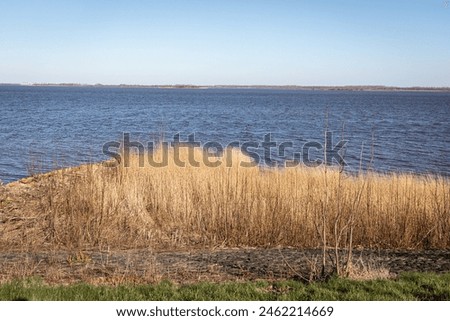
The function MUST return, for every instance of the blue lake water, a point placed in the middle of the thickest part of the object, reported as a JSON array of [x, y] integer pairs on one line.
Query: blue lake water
[[47, 127]]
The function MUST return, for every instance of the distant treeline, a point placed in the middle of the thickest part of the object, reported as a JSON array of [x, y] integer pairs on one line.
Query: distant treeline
[[285, 87]]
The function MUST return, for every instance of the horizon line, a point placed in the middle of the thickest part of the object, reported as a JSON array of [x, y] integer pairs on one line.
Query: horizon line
[[255, 86]]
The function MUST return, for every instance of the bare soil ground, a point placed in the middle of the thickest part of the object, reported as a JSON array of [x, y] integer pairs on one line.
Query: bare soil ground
[[143, 266]]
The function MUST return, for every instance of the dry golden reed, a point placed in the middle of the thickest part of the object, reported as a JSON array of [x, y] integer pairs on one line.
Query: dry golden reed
[[179, 207]]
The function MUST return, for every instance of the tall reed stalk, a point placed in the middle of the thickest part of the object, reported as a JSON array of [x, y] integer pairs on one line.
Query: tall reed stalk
[[179, 207]]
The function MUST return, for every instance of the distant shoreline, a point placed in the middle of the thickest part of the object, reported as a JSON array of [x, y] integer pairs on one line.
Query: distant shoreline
[[286, 87]]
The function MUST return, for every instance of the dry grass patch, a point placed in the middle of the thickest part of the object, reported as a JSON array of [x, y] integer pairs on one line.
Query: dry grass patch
[[96, 206]]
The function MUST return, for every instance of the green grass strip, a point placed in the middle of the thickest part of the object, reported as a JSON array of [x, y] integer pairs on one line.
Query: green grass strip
[[408, 286]]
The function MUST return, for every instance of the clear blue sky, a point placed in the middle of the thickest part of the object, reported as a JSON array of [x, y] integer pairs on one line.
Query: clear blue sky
[[316, 42]]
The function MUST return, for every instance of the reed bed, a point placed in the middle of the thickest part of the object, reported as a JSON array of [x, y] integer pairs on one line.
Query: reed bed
[[142, 206]]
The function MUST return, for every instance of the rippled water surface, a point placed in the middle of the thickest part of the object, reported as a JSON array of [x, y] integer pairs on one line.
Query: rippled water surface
[[46, 127]]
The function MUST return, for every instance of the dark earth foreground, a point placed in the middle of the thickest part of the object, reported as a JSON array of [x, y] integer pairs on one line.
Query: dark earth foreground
[[143, 266]]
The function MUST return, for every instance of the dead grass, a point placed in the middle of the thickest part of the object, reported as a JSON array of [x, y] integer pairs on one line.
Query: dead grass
[[363, 270], [103, 207]]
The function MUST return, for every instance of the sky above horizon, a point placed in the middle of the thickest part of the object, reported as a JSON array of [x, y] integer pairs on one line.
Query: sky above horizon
[[284, 42]]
